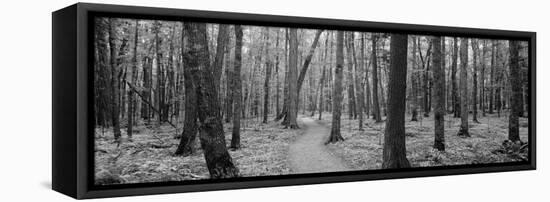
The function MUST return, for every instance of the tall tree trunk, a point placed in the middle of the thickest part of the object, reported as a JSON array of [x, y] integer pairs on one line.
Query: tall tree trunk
[[323, 78], [350, 78], [358, 86], [237, 89], [335, 134], [268, 67], [463, 132], [131, 102], [482, 78], [456, 100], [515, 99], [439, 96], [277, 80], [366, 69], [222, 40], [375, 99], [414, 89], [293, 82], [190, 127], [394, 152], [218, 160], [475, 48], [115, 107], [492, 80]]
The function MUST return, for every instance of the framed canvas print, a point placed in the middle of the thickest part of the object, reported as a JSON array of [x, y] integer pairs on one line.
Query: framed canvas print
[[155, 100]]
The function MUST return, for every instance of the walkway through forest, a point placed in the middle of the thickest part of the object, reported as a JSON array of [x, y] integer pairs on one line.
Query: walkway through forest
[[308, 153]]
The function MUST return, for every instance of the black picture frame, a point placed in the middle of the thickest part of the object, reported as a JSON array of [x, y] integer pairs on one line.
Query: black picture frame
[[72, 82]]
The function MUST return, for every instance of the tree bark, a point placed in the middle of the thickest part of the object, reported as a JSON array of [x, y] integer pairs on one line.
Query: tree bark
[[375, 99], [463, 132], [439, 96], [237, 89], [475, 48], [335, 134], [131, 102], [456, 101], [115, 107], [196, 57], [515, 102], [394, 152], [292, 81], [268, 67], [350, 78]]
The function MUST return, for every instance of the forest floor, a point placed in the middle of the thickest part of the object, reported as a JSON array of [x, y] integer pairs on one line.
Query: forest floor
[[269, 149], [149, 156], [362, 150], [308, 153]]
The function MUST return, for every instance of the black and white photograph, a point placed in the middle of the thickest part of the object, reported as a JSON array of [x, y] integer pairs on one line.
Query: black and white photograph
[[188, 101]]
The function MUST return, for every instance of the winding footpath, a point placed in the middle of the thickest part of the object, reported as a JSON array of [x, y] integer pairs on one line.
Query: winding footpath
[[308, 153]]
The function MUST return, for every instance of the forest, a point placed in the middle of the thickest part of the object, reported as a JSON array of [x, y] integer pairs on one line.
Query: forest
[[177, 101]]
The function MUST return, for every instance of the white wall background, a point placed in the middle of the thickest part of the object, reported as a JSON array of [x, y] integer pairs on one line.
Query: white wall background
[[25, 103]]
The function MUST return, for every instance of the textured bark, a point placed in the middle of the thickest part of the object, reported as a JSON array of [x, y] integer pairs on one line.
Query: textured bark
[[475, 48], [366, 69], [414, 81], [375, 99], [350, 78], [439, 95], [196, 57], [277, 79], [492, 79], [394, 152], [222, 40], [323, 78], [463, 132], [360, 104], [335, 134], [131, 102], [454, 86], [515, 99], [268, 69], [190, 127], [115, 107], [292, 79], [237, 89], [482, 79]]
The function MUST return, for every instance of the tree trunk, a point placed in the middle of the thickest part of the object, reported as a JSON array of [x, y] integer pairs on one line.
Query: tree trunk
[[515, 99], [394, 153], [358, 86], [131, 102], [482, 79], [268, 67], [492, 80], [366, 69], [190, 127], [115, 107], [292, 81], [218, 160], [463, 132], [475, 48], [237, 88], [350, 78], [335, 134], [323, 78], [376, 106], [456, 100], [439, 95]]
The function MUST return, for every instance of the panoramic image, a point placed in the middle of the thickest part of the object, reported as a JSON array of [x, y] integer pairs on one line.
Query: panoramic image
[[181, 101]]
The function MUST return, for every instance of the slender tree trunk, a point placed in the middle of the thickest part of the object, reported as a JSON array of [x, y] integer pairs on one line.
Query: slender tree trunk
[[482, 79], [492, 80], [218, 160], [237, 88], [350, 78], [439, 96], [114, 80], [366, 69], [293, 82], [394, 152], [456, 100], [358, 86], [268, 67], [515, 102], [335, 134], [414, 114], [131, 102], [463, 132], [222, 40], [376, 106], [277, 85], [323, 78], [475, 48]]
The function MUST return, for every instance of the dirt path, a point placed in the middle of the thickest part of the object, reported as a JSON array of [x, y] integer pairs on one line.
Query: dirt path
[[308, 153]]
